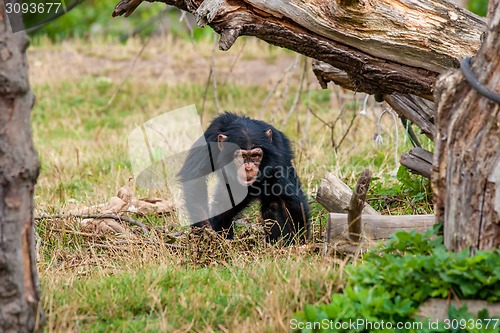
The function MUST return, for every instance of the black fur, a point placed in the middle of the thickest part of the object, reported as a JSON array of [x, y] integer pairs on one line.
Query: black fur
[[277, 186]]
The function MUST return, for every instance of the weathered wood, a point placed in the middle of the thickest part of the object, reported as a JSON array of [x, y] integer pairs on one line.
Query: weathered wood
[[401, 47], [416, 109], [467, 151], [419, 161], [389, 25], [326, 73], [19, 286], [377, 227], [335, 195], [437, 309], [357, 204]]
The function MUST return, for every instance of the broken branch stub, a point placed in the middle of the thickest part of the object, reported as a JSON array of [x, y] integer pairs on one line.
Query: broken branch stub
[[357, 204], [419, 161]]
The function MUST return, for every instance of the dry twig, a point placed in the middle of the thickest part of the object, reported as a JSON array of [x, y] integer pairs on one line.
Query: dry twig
[[95, 216], [298, 94], [290, 69]]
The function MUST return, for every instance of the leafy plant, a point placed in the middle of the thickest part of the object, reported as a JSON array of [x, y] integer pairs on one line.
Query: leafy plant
[[91, 18], [479, 7], [411, 189], [392, 281]]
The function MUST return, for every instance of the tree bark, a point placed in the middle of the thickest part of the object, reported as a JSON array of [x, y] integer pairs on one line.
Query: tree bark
[[19, 287], [466, 168]]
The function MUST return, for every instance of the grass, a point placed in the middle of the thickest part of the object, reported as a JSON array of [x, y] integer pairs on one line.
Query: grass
[[87, 104], [152, 288]]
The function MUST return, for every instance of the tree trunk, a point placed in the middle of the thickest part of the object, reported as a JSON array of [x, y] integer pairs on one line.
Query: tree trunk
[[19, 287], [466, 179]]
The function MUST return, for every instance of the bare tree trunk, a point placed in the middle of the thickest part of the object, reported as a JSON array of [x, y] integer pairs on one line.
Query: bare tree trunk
[[466, 179], [19, 287]]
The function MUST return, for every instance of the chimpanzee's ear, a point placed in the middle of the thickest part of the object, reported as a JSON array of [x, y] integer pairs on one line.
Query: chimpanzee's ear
[[269, 134], [220, 139]]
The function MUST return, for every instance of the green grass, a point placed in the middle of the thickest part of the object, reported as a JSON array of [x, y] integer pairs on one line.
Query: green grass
[[168, 296], [111, 284]]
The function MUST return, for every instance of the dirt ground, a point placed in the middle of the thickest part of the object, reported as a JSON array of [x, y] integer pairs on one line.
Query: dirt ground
[[163, 61]]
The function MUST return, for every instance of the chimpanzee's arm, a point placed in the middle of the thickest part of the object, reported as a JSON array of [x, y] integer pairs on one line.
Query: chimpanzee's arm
[[193, 175]]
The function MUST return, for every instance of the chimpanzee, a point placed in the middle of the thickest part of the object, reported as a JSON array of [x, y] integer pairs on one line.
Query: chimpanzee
[[253, 160]]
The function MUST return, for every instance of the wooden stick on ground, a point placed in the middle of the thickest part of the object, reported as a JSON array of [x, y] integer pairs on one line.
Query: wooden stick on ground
[[96, 216]]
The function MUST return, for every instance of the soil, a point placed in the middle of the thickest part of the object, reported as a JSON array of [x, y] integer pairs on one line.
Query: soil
[[160, 64]]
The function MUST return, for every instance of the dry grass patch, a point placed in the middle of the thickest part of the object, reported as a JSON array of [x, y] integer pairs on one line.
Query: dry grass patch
[[113, 284]]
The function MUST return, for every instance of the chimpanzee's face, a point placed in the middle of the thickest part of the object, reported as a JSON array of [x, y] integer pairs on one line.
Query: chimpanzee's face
[[248, 162]]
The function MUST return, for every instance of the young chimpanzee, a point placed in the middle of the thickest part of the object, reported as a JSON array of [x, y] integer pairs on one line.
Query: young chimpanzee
[[253, 160]]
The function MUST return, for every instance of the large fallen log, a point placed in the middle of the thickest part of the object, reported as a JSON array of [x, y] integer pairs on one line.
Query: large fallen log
[[373, 228]]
